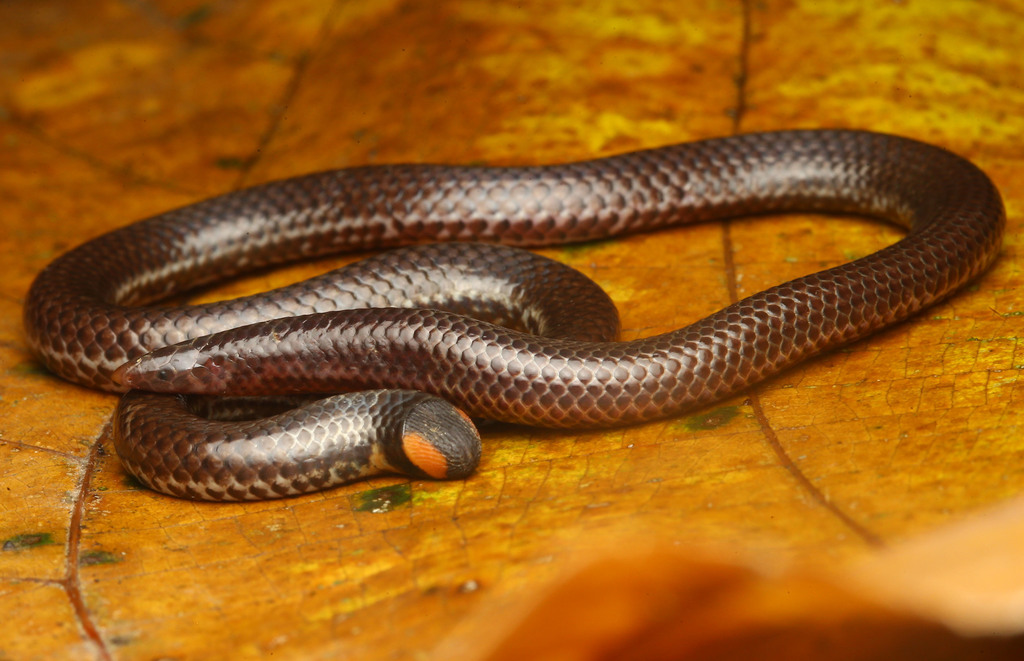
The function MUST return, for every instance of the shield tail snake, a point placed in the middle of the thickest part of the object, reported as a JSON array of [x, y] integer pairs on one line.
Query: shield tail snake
[[496, 331]]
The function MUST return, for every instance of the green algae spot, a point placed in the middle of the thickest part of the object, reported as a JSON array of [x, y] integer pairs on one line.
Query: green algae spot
[[384, 499], [231, 163], [711, 420], [86, 558], [28, 541], [196, 16]]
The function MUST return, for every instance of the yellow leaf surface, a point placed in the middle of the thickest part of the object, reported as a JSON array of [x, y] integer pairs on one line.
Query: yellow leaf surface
[[113, 111]]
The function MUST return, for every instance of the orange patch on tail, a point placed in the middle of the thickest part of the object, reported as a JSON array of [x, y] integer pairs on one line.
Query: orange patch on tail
[[465, 416], [425, 456]]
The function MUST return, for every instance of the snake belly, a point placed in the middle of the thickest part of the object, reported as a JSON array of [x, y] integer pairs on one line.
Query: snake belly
[[81, 319]]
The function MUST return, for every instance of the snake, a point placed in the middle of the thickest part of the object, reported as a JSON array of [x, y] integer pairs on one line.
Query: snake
[[488, 350]]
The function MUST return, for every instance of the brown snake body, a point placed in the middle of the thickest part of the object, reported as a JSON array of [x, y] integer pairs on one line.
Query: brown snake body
[[80, 320]]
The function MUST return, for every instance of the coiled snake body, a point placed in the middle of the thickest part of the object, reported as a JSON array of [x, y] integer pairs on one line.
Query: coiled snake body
[[81, 320]]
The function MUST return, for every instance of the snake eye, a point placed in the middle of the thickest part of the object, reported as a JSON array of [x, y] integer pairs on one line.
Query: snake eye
[[165, 374]]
